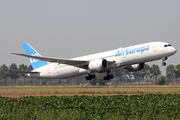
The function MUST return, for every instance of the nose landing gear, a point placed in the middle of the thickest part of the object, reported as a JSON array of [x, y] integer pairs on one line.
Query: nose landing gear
[[164, 63]]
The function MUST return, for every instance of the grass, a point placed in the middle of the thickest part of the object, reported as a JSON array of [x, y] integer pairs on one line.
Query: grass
[[123, 90]]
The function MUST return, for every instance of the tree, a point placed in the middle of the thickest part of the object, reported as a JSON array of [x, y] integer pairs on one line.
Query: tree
[[3, 69], [155, 71], [23, 68], [160, 80], [101, 81], [170, 72], [29, 68], [146, 72], [177, 71], [137, 76], [121, 75], [13, 68], [93, 82]]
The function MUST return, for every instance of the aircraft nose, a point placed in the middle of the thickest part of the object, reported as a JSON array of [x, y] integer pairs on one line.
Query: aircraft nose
[[174, 50]]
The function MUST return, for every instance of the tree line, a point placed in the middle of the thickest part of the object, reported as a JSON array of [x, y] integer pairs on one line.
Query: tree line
[[149, 75]]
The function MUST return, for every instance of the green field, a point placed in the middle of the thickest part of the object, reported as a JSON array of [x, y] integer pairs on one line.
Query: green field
[[114, 103], [119, 107]]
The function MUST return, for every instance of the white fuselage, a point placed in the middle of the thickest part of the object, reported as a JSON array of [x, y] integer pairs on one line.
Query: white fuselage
[[116, 58]]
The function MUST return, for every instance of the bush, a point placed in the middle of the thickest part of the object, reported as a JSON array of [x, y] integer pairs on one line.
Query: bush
[[160, 80]]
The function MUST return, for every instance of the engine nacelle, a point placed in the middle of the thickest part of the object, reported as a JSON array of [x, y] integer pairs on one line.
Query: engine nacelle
[[135, 67], [98, 64]]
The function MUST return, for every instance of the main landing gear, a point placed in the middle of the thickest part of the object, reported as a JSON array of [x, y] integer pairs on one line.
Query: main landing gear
[[89, 77], [163, 63], [108, 77]]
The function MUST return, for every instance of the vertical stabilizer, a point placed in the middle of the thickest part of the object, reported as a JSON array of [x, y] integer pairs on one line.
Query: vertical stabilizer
[[31, 51]]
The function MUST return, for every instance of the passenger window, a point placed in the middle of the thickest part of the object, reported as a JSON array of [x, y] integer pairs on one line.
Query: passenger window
[[165, 45]]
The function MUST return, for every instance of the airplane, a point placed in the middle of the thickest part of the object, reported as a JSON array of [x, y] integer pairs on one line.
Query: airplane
[[131, 58]]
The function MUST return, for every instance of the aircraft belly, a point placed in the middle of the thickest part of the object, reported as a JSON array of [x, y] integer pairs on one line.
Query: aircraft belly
[[69, 72]]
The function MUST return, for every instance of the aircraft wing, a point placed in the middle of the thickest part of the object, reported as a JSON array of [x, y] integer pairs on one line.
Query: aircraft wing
[[76, 63], [9, 71]]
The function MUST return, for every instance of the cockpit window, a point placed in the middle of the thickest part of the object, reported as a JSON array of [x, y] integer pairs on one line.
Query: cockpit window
[[167, 45]]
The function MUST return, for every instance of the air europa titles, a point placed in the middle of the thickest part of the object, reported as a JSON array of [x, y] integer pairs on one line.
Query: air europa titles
[[129, 51]]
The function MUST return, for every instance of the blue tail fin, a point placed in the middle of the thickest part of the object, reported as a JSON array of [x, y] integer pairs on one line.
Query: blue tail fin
[[31, 51]]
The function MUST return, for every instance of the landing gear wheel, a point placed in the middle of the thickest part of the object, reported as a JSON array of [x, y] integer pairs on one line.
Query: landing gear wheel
[[108, 77], [111, 76], [89, 77], [163, 64]]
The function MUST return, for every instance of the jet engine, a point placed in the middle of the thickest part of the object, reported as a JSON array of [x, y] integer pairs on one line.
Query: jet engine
[[98, 64], [135, 67]]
